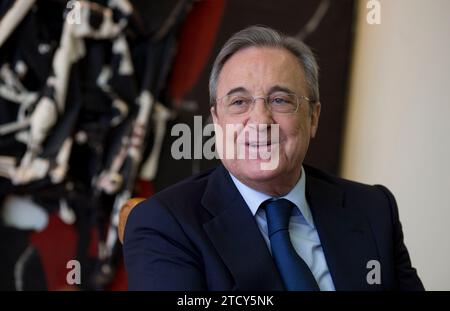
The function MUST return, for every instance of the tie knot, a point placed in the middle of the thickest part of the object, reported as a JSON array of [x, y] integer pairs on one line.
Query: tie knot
[[278, 213]]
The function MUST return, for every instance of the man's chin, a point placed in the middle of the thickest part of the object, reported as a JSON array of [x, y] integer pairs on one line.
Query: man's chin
[[259, 170]]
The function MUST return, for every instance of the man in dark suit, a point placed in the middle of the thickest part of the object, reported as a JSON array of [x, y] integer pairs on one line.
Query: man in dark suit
[[262, 220]]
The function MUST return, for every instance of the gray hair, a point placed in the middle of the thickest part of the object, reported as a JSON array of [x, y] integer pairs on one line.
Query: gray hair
[[259, 36]]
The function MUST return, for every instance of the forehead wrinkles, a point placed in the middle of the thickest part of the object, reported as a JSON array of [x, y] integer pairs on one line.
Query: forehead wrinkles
[[258, 69]]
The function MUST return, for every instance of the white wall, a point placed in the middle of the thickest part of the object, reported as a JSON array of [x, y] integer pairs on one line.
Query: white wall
[[398, 125]]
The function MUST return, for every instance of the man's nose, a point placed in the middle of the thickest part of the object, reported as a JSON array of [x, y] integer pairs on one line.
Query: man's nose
[[260, 113]]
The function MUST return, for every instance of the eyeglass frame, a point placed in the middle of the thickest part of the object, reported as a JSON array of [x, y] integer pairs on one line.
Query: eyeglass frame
[[266, 100]]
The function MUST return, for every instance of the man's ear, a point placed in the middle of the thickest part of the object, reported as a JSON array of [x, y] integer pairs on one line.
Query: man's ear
[[213, 113], [315, 114]]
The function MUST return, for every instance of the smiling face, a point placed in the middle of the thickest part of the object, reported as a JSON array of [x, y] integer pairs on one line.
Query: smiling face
[[261, 71]]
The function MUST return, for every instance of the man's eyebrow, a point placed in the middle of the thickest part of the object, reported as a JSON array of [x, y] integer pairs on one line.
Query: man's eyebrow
[[279, 88], [238, 89], [273, 89]]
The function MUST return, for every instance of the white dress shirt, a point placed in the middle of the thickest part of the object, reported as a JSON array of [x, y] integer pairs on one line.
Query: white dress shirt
[[302, 230]]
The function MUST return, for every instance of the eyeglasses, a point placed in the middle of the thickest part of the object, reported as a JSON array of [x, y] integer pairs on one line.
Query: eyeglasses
[[278, 102]]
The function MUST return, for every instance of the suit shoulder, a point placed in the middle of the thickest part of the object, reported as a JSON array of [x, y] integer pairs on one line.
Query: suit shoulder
[[182, 201], [174, 204], [189, 189], [339, 181], [352, 189]]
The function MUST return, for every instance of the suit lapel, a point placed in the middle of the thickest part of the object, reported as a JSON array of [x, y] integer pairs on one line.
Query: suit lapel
[[236, 236], [344, 233]]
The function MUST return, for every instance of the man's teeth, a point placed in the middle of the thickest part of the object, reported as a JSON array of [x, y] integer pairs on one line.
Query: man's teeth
[[259, 144]]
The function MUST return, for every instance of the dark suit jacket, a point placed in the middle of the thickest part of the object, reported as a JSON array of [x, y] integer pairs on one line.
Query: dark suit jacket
[[200, 235]]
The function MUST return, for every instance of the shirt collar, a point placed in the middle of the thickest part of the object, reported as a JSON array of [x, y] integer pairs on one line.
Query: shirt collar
[[254, 198]]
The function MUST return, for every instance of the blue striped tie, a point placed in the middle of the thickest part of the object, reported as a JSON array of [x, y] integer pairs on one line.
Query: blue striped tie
[[294, 271]]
